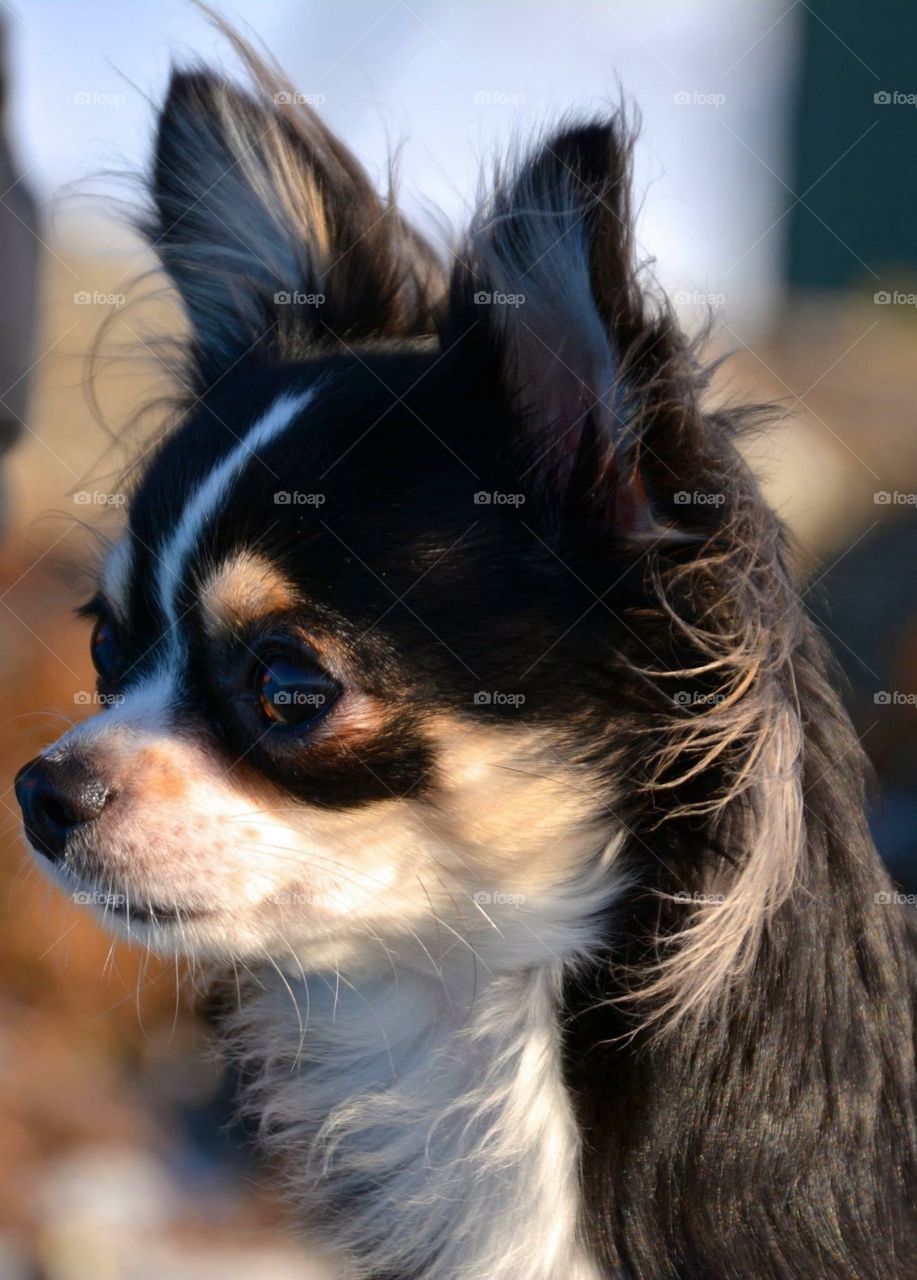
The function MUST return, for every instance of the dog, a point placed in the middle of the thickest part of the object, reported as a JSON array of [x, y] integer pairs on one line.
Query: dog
[[462, 711]]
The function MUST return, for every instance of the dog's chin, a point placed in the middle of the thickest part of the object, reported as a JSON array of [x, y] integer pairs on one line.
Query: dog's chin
[[171, 927], [213, 936]]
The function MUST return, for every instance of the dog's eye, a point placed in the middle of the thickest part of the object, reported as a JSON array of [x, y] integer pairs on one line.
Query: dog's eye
[[105, 649], [293, 691]]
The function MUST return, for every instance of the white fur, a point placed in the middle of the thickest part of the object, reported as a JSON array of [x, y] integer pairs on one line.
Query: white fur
[[116, 576], [420, 1109]]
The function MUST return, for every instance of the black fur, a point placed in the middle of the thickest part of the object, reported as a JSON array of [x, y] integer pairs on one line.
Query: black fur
[[777, 1140]]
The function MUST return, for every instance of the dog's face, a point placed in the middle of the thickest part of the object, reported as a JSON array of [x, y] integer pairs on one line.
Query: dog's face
[[317, 713], [358, 637]]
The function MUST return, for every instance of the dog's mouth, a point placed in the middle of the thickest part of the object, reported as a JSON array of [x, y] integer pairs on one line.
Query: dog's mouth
[[119, 905], [156, 914]]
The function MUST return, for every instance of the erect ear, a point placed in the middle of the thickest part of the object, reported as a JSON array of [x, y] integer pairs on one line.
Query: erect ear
[[271, 229], [548, 281]]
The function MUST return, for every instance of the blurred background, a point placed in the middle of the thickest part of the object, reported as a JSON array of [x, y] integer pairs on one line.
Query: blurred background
[[777, 180]]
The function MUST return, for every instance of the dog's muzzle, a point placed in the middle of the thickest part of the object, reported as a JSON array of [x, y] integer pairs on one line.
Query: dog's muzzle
[[58, 798]]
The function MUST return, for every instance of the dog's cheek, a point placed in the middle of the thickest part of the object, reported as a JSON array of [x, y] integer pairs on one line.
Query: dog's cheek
[[504, 793], [185, 832], [366, 864], [180, 832]]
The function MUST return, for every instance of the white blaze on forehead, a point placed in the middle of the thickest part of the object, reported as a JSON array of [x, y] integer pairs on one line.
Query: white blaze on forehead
[[116, 575], [203, 504]]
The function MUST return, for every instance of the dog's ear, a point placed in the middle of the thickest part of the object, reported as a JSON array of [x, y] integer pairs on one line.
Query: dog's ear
[[548, 288], [270, 228]]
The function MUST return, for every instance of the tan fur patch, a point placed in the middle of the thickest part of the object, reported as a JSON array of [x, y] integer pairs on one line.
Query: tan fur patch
[[158, 774], [242, 590]]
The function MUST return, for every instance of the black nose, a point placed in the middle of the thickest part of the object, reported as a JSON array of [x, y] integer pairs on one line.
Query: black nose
[[56, 797]]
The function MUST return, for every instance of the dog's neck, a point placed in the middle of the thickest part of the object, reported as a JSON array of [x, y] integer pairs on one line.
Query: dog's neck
[[423, 1111]]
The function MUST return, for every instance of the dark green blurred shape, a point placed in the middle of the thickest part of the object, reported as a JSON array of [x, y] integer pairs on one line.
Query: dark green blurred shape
[[862, 213]]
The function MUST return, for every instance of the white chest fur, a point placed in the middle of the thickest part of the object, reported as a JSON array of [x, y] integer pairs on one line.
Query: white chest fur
[[425, 1119]]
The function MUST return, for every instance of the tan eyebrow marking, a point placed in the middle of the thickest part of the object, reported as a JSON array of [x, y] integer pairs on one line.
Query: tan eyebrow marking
[[243, 589]]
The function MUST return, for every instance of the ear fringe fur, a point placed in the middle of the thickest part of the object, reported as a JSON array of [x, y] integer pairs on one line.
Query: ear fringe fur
[[733, 714]]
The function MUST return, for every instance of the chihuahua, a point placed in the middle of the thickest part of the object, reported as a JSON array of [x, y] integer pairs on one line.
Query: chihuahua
[[460, 707]]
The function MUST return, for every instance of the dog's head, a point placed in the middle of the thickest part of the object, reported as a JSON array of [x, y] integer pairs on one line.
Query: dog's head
[[383, 642]]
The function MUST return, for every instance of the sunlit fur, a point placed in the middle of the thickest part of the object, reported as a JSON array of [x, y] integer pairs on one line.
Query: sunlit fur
[[553, 950]]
